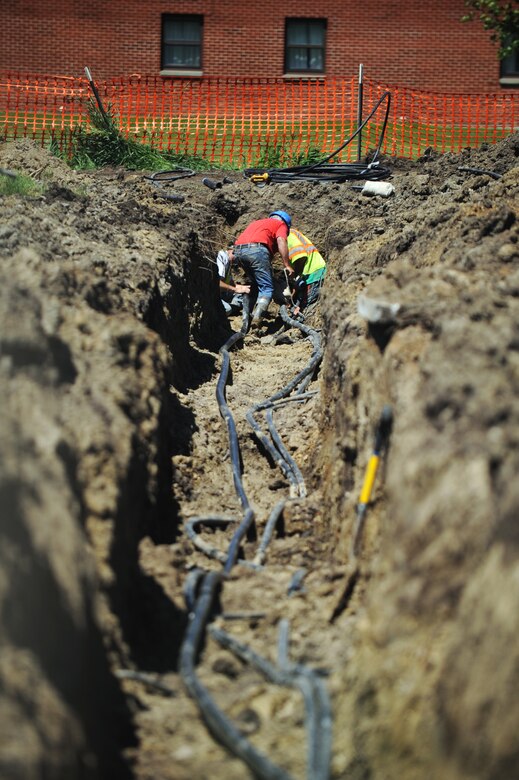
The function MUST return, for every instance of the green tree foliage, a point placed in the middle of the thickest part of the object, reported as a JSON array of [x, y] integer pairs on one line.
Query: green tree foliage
[[501, 18]]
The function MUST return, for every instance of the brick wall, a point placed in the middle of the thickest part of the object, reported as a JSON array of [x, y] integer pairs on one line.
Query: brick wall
[[410, 43]]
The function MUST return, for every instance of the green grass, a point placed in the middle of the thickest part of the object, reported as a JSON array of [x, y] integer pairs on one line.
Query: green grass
[[19, 185], [105, 145], [98, 149]]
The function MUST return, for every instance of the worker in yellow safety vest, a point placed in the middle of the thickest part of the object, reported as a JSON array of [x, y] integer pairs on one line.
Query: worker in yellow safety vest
[[309, 266]]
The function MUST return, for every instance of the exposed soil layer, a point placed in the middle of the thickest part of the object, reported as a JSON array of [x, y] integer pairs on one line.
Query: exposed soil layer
[[112, 438]]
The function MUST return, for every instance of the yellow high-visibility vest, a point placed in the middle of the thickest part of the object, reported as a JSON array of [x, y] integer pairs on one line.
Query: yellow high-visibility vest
[[300, 246]]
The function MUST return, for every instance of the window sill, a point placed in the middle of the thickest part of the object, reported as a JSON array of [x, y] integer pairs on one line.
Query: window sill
[[176, 73], [509, 81], [305, 75]]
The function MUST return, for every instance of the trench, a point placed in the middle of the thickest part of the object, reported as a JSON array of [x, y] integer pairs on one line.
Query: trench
[[250, 610]]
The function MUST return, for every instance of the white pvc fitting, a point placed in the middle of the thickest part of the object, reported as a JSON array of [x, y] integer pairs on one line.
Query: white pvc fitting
[[383, 188]]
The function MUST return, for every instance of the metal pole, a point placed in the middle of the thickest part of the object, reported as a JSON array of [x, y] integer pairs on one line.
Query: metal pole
[[359, 111], [93, 87]]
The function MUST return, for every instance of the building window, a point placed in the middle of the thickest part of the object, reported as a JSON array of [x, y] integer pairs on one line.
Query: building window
[[510, 69], [182, 41], [304, 45]]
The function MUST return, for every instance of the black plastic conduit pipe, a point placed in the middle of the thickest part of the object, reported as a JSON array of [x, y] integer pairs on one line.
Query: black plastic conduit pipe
[[317, 705], [222, 728], [202, 590], [480, 172], [279, 454], [287, 458], [224, 408], [271, 523], [337, 172]]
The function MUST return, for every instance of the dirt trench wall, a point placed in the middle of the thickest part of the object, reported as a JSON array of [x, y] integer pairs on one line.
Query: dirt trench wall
[[431, 654], [94, 286]]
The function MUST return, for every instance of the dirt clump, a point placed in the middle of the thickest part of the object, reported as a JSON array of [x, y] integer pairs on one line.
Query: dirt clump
[[112, 439]]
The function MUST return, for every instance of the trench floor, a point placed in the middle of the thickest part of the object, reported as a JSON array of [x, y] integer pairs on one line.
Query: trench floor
[[174, 743]]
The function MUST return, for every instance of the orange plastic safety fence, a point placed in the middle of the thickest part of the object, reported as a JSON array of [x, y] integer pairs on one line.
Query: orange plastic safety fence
[[246, 122], [44, 108], [446, 122]]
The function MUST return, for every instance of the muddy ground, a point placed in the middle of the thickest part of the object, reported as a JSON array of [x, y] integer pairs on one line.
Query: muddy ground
[[112, 437]]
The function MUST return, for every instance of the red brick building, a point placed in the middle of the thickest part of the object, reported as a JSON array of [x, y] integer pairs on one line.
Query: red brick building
[[411, 43]]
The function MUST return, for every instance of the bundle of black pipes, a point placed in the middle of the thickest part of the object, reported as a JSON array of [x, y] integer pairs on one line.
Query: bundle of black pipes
[[202, 588]]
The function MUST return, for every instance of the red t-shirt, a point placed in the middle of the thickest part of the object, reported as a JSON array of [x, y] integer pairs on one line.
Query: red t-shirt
[[264, 231]]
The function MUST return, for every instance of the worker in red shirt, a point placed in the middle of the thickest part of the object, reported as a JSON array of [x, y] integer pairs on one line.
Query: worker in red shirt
[[254, 250]]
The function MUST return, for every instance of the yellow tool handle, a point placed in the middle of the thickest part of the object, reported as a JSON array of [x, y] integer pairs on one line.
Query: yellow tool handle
[[260, 178], [369, 479]]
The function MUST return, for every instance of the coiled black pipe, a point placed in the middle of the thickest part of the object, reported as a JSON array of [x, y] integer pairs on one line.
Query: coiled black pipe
[[160, 178], [191, 586], [202, 590], [234, 547], [194, 524], [270, 525], [191, 526], [279, 453], [296, 583], [218, 723], [317, 707], [224, 408], [274, 446], [200, 611], [286, 456], [337, 172], [317, 704]]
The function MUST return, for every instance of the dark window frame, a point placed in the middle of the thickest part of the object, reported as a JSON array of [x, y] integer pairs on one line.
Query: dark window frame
[[509, 66], [180, 42], [308, 46]]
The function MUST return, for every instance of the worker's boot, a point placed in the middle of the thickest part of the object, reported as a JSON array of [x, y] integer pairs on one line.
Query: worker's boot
[[258, 311]]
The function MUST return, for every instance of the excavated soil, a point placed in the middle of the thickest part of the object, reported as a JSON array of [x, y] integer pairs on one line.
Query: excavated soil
[[112, 438]]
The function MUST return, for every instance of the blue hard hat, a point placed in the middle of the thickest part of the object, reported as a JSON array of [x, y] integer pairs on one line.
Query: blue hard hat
[[287, 219]]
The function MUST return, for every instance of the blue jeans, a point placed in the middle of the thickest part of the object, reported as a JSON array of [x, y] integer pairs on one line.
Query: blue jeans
[[255, 261]]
